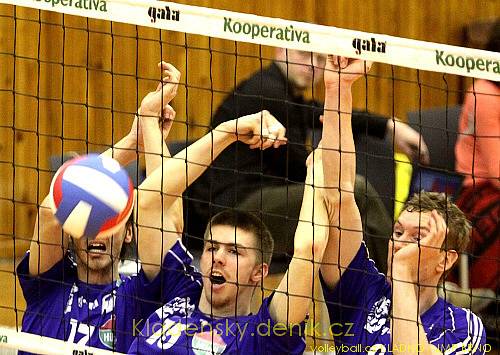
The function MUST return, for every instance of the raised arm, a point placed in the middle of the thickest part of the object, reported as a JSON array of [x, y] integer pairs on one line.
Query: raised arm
[[157, 227], [259, 130], [339, 165], [49, 243], [293, 297]]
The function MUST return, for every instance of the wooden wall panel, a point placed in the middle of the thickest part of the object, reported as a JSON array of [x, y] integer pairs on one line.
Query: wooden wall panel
[[91, 99]]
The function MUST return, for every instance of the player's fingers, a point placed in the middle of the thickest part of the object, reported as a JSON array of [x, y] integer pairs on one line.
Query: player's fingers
[[410, 151], [275, 128], [309, 160], [267, 143], [343, 62], [254, 143], [280, 142], [170, 71], [276, 131], [167, 79], [271, 140], [368, 65], [264, 138], [259, 145], [173, 74], [165, 66], [424, 153], [176, 74], [169, 112], [280, 137], [334, 60], [169, 87]]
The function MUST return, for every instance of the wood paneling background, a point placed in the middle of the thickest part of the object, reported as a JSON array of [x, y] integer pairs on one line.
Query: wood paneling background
[[75, 87]]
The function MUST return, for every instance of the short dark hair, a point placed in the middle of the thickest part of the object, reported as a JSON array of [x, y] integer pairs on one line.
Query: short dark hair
[[248, 222], [459, 227], [129, 250]]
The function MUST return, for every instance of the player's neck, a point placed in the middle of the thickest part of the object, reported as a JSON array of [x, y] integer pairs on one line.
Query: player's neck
[[427, 296], [242, 307], [97, 277]]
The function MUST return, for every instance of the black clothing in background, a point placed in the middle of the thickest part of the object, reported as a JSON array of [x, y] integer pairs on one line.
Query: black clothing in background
[[239, 171]]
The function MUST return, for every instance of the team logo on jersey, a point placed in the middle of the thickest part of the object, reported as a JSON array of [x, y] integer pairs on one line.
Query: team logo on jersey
[[106, 333], [179, 306], [208, 343], [377, 318]]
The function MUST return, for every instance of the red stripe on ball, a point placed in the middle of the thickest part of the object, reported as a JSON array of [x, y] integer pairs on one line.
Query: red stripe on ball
[[57, 191], [112, 222]]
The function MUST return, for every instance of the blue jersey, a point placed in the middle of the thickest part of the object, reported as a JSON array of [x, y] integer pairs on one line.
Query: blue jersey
[[104, 316], [180, 328], [359, 309]]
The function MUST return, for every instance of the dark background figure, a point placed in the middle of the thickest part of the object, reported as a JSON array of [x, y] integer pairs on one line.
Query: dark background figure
[[271, 182]]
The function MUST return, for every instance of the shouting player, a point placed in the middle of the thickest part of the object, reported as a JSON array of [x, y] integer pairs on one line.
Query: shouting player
[[210, 312]]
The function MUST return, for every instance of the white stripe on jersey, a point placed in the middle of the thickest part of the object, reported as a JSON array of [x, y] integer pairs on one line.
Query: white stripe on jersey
[[185, 249], [184, 266], [369, 259], [476, 339], [452, 317], [473, 340]]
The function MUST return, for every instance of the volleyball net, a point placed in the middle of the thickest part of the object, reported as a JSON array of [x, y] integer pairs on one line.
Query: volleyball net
[[74, 73]]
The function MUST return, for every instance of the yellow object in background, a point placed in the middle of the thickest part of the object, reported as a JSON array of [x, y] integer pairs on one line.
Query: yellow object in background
[[403, 172]]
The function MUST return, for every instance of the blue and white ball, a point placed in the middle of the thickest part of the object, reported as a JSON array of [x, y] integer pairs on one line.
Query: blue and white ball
[[91, 196]]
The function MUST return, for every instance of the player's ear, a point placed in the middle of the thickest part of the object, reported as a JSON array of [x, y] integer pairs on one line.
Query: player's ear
[[128, 233], [447, 262], [259, 272]]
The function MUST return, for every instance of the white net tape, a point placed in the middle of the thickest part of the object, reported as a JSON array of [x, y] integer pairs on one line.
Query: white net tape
[[282, 33], [11, 339]]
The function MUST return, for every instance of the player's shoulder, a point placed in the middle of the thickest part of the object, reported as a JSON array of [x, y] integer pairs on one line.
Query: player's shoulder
[[177, 258], [456, 327], [178, 253], [464, 319], [362, 265], [66, 267]]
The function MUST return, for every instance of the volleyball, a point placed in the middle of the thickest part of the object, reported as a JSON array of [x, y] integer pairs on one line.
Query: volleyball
[[91, 195]]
